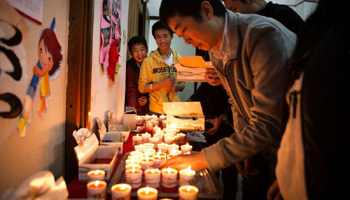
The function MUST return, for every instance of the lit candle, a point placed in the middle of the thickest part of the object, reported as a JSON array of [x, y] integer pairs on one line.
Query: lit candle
[[159, 158], [139, 147], [163, 147], [147, 163], [121, 191], [136, 140], [132, 166], [186, 148], [96, 175], [132, 161], [188, 192], [134, 178], [147, 193], [152, 178], [148, 145], [169, 179], [182, 138], [186, 176], [149, 126], [169, 138], [172, 147], [149, 151], [96, 189], [145, 137], [154, 140]]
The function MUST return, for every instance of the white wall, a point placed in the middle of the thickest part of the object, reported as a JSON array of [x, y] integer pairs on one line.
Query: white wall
[[178, 45], [43, 146], [106, 95]]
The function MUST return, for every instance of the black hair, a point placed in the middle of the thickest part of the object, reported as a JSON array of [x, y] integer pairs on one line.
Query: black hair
[[158, 25], [137, 40], [191, 8]]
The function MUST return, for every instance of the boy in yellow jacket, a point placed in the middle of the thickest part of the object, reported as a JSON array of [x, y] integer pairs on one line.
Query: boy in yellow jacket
[[158, 74]]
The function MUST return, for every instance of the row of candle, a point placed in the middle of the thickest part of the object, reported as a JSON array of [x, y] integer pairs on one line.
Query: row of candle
[[122, 191], [147, 122], [158, 137]]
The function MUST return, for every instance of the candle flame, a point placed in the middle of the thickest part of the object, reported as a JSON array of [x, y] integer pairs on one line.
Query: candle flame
[[97, 183], [188, 188], [122, 187], [147, 190], [169, 170], [189, 168]]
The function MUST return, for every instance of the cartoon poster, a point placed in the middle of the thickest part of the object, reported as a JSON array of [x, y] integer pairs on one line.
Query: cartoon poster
[[47, 67], [13, 69], [110, 37]]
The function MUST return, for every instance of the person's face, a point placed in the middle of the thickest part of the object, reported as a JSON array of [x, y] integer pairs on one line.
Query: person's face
[[138, 52], [45, 57], [163, 38], [237, 6], [200, 34]]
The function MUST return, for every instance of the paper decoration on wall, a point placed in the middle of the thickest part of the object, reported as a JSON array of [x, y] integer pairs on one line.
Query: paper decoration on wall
[[13, 69], [110, 37], [31, 9], [47, 67]]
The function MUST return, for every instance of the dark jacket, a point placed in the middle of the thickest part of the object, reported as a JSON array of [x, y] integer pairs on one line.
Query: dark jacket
[[131, 92]]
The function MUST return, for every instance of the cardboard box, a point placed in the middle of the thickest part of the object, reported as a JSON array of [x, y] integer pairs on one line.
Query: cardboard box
[[110, 138], [185, 116], [191, 74], [92, 156]]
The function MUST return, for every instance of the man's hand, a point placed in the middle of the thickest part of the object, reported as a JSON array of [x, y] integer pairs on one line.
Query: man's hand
[[246, 169], [274, 192], [212, 77], [216, 124], [142, 100], [195, 160]]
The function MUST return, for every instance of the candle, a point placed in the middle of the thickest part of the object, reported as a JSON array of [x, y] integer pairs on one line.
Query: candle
[[149, 151], [145, 137], [159, 158], [139, 147], [149, 126], [147, 163], [96, 189], [132, 166], [163, 147], [147, 193], [134, 178], [132, 161], [152, 178], [186, 148], [172, 147], [148, 145], [121, 191], [136, 140], [186, 176], [188, 192], [140, 123], [182, 138], [169, 139], [154, 140], [169, 179], [96, 175]]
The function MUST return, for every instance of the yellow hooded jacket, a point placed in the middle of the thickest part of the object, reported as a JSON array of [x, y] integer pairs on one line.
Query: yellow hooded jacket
[[154, 70]]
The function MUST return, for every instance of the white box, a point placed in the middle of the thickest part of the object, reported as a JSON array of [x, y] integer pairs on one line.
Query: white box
[[185, 116], [111, 138], [89, 152]]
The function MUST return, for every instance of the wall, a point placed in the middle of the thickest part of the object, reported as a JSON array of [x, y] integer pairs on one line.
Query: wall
[[106, 95], [178, 45], [43, 146]]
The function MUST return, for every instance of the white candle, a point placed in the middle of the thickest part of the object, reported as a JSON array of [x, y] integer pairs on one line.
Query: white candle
[[163, 147], [121, 191], [149, 151], [96, 175], [132, 166], [182, 138], [134, 178], [186, 148], [169, 179], [132, 161], [172, 147], [148, 145], [188, 192], [147, 193], [158, 159], [136, 140], [139, 147], [169, 139], [152, 178], [147, 163], [96, 189], [145, 137], [186, 176]]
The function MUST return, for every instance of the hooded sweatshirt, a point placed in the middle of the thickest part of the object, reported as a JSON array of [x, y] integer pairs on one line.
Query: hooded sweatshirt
[[155, 70]]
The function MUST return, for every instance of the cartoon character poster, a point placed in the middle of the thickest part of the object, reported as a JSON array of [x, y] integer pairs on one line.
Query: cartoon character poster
[[110, 37], [49, 60]]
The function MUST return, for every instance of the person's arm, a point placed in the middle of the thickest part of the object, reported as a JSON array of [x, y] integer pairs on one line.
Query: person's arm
[[265, 123]]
